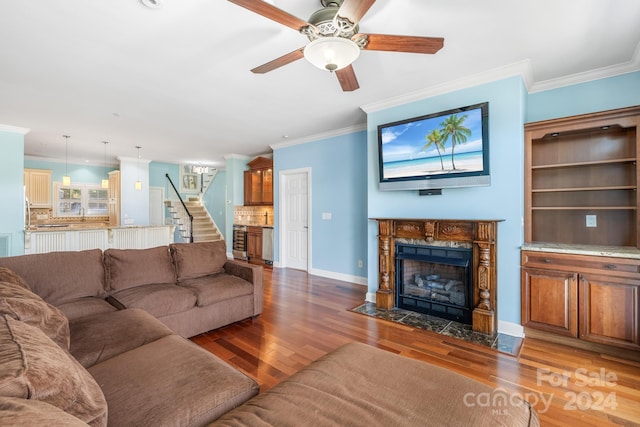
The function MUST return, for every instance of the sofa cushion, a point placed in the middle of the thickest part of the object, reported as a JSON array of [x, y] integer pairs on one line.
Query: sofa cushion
[[29, 413], [61, 276], [25, 306], [104, 335], [217, 287], [345, 388], [126, 268], [34, 367], [170, 382], [159, 300], [8, 275], [80, 307], [198, 259]]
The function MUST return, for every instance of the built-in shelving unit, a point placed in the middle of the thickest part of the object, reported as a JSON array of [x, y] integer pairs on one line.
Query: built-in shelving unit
[[581, 172], [580, 281]]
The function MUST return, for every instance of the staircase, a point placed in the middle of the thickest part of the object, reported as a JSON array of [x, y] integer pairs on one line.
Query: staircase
[[204, 228]]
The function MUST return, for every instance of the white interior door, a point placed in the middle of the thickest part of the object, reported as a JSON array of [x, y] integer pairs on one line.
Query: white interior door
[[295, 202], [156, 206]]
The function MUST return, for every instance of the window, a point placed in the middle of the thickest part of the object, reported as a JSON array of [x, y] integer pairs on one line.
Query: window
[[81, 200]]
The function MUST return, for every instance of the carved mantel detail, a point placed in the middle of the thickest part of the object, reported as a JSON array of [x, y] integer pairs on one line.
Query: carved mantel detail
[[481, 234]]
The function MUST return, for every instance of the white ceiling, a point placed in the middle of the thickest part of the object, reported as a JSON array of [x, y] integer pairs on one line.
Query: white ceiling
[[176, 80]]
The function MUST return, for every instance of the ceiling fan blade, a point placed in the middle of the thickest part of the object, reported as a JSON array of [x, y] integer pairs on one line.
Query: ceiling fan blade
[[279, 62], [269, 11], [354, 10], [347, 78], [412, 44]]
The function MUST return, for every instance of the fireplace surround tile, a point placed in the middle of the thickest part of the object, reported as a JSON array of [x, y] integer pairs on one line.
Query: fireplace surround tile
[[497, 341]]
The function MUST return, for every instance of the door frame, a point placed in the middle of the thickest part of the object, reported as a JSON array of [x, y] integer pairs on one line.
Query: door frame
[[282, 176]]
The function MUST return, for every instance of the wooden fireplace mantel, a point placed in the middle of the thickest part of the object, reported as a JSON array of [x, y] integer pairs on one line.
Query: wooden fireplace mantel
[[481, 234]]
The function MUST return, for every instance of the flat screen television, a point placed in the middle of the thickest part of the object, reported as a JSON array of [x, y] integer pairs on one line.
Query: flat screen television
[[447, 149]]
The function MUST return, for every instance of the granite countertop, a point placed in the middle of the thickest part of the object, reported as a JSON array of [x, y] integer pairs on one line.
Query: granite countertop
[[611, 251], [253, 224]]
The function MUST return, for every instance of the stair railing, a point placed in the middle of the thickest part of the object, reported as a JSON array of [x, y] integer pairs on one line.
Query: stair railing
[[184, 206]]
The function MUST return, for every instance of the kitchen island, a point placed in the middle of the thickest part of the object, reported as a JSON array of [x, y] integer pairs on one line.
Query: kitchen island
[[78, 237]]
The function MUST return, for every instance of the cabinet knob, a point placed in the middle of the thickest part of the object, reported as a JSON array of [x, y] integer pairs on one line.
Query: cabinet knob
[[611, 266], [546, 261]]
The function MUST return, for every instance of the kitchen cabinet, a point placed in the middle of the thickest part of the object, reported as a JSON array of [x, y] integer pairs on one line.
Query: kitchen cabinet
[[37, 184], [594, 299], [114, 198], [258, 182], [254, 244]]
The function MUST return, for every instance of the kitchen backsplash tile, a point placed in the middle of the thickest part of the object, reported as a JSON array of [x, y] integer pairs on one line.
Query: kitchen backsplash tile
[[253, 215]]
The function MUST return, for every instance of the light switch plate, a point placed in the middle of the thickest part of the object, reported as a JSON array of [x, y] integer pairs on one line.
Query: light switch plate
[[592, 221], [326, 215]]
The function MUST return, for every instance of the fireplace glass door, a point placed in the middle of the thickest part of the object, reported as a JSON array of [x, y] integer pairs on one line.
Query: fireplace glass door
[[435, 281]]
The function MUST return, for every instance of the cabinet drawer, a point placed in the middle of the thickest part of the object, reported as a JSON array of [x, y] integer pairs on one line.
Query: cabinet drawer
[[623, 267]]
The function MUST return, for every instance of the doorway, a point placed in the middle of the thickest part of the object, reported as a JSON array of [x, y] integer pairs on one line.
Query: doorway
[[295, 206], [156, 206]]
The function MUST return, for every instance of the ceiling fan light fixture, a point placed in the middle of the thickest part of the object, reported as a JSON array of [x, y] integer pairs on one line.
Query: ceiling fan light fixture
[[331, 53]]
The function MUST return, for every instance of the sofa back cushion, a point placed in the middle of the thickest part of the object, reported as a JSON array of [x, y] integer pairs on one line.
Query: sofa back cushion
[[128, 268], [22, 304], [34, 367], [61, 276], [199, 259]]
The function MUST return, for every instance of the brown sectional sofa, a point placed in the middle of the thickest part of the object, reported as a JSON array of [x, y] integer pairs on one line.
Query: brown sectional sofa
[[92, 351], [97, 336]]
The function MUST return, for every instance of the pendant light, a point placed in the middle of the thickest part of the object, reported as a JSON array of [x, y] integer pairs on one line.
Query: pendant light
[[138, 184], [105, 180], [66, 179]]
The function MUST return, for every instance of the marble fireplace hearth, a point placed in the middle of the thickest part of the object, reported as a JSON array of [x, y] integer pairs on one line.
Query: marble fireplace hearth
[[478, 235]]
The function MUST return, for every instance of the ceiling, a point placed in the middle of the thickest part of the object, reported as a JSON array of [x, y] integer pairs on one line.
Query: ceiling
[[176, 81]]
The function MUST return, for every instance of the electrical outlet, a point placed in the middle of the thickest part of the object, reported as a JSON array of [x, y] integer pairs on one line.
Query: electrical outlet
[[592, 221], [360, 263]]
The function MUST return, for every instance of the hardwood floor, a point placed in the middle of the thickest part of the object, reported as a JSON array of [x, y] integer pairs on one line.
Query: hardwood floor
[[307, 316]]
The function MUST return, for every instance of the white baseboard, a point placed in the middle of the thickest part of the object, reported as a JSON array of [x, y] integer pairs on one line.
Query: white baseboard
[[371, 297], [339, 276], [509, 328]]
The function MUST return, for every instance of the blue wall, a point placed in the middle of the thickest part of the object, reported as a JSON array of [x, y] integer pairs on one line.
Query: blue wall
[[503, 200], [338, 178], [215, 201], [79, 173], [12, 213], [599, 95]]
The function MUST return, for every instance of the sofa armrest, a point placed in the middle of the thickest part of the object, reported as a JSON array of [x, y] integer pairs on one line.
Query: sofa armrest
[[252, 274]]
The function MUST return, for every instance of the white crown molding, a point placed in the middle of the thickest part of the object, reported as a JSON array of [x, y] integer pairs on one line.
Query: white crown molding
[[14, 129], [319, 136], [613, 70], [522, 69]]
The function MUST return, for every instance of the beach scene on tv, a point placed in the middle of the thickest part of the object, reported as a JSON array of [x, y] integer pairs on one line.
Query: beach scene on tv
[[432, 146]]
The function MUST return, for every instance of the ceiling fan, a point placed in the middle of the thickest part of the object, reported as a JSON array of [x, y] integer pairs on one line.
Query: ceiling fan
[[334, 38]]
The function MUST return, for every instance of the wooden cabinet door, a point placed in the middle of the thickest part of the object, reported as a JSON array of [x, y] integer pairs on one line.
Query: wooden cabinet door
[[38, 187], [609, 310], [247, 188], [267, 187], [550, 301], [114, 198], [254, 242], [256, 187]]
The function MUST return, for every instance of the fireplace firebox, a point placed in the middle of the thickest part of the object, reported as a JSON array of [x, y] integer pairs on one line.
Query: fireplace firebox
[[435, 280]]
